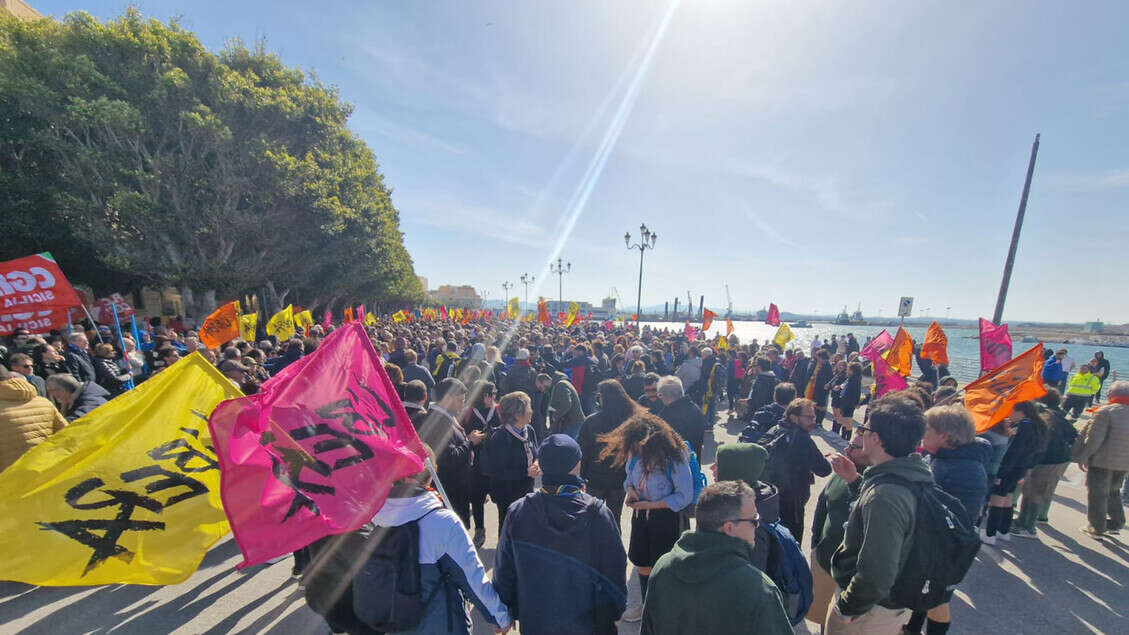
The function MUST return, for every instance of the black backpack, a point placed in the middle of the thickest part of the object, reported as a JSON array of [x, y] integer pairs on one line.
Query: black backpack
[[945, 544], [778, 443], [372, 576]]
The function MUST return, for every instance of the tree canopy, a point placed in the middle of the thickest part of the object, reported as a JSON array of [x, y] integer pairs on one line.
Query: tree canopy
[[137, 156]]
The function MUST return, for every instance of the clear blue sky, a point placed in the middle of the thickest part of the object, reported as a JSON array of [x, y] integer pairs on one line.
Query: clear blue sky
[[810, 154]]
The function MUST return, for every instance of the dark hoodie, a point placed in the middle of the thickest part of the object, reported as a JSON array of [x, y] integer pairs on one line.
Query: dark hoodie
[[575, 538], [962, 472], [878, 536], [707, 584], [88, 398]]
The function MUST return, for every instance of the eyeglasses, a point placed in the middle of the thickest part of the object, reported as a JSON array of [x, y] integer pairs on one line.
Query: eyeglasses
[[755, 520], [862, 428]]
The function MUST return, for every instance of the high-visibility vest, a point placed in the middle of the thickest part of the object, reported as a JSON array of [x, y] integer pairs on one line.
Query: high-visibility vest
[[1084, 385]]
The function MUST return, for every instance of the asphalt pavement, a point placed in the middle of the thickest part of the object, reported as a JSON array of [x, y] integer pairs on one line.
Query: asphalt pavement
[[1062, 582]]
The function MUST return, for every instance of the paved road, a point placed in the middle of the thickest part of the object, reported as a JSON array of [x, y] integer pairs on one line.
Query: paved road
[[1065, 582]]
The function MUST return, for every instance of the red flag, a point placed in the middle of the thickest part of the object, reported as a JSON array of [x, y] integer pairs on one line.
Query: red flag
[[707, 319], [936, 344], [880, 344], [690, 332], [995, 345], [35, 284], [589, 316], [728, 327], [348, 315], [315, 452], [991, 398], [562, 316], [360, 314], [443, 312], [327, 320], [634, 317], [773, 317]]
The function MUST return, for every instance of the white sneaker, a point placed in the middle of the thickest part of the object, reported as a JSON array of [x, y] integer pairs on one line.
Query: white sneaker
[[633, 613]]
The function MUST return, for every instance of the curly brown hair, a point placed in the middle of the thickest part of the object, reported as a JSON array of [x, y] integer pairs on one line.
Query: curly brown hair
[[646, 436]]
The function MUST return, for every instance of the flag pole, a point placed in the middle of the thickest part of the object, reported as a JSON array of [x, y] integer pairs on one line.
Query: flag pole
[[93, 324], [1010, 262], [438, 486]]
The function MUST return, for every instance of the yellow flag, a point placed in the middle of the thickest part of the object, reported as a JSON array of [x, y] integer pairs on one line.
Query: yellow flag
[[305, 319], [513, 310], [398, 317], [370, 319], [129, 494], [573, 310], [783, 335], [281, 324], [247, 325], [722, 343]]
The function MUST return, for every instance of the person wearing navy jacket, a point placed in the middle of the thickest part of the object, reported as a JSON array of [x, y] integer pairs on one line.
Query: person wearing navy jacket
[[561, 529]]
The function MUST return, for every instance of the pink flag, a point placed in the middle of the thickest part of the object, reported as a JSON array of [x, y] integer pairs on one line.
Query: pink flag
[[327, 320], [360, 312], [773, 317], [690, 332], [886, 379], [877, 346], [995, 345], [315, 452]]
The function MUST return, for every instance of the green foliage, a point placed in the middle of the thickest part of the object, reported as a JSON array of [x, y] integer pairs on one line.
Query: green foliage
[[137, 156]]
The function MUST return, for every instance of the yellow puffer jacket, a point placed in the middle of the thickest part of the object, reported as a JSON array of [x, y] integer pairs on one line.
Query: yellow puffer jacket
[[26, 419]]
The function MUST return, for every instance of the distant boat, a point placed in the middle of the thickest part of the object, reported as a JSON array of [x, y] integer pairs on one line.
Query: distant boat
[[856, 318], [800, 324], [842, 318]]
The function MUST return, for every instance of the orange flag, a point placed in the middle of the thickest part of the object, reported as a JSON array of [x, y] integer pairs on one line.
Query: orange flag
[[221, 326], [900, 354], [936, 345], [728, 327], [707, 319], [992, 397], [348, 315]]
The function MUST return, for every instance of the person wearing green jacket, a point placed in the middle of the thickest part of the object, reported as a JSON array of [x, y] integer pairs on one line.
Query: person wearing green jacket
[[831, 512], [707, 583], [879, 531]]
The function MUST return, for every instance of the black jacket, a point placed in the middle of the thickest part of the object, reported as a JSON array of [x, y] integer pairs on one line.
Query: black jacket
[[1061, 439], [1022, 453], [599, 474], [452, 448], [505, 464], [111, 376], [801, 459], [633, 385], [79, 364], [764, 383], [687, 419]]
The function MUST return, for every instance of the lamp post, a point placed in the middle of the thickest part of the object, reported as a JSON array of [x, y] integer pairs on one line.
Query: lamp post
[[647, 240], [560, 268], [527, 280], [506, 286]]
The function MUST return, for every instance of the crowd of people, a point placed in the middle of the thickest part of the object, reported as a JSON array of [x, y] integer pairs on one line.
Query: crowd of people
[[562, 428]]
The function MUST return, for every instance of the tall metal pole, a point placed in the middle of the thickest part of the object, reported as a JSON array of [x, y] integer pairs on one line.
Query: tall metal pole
[[647, 240], [527, 280], [639, 297], [560, 270], [999, 313]]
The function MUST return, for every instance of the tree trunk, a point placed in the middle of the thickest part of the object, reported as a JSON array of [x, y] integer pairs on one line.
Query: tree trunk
[[188, 299], [208, 302]]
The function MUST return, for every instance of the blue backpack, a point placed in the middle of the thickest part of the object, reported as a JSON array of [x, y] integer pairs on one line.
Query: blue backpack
[[696, 476], [789, 571]]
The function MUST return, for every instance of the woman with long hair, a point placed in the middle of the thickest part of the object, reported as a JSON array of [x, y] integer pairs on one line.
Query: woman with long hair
[[1029, 431], [850, 392], [482, 415], [658, 486], [604, 480]]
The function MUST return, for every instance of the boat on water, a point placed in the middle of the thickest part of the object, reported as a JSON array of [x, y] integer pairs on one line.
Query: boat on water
[[856, 318], [800, 324], [842, 318]]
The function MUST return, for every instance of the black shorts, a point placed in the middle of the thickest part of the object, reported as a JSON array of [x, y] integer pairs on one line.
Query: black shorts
[[653, 533]]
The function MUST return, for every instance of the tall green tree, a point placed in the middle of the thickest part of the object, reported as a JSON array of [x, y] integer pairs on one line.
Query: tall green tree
[[138, 156]]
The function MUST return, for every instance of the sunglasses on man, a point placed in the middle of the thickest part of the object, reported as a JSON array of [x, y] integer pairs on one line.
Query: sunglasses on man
[[755, 520]]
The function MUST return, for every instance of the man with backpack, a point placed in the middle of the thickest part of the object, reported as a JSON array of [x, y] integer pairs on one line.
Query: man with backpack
[[793, 458], [768, 416], [411, 570], [560, 564], [707, 583], [879, 534]]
